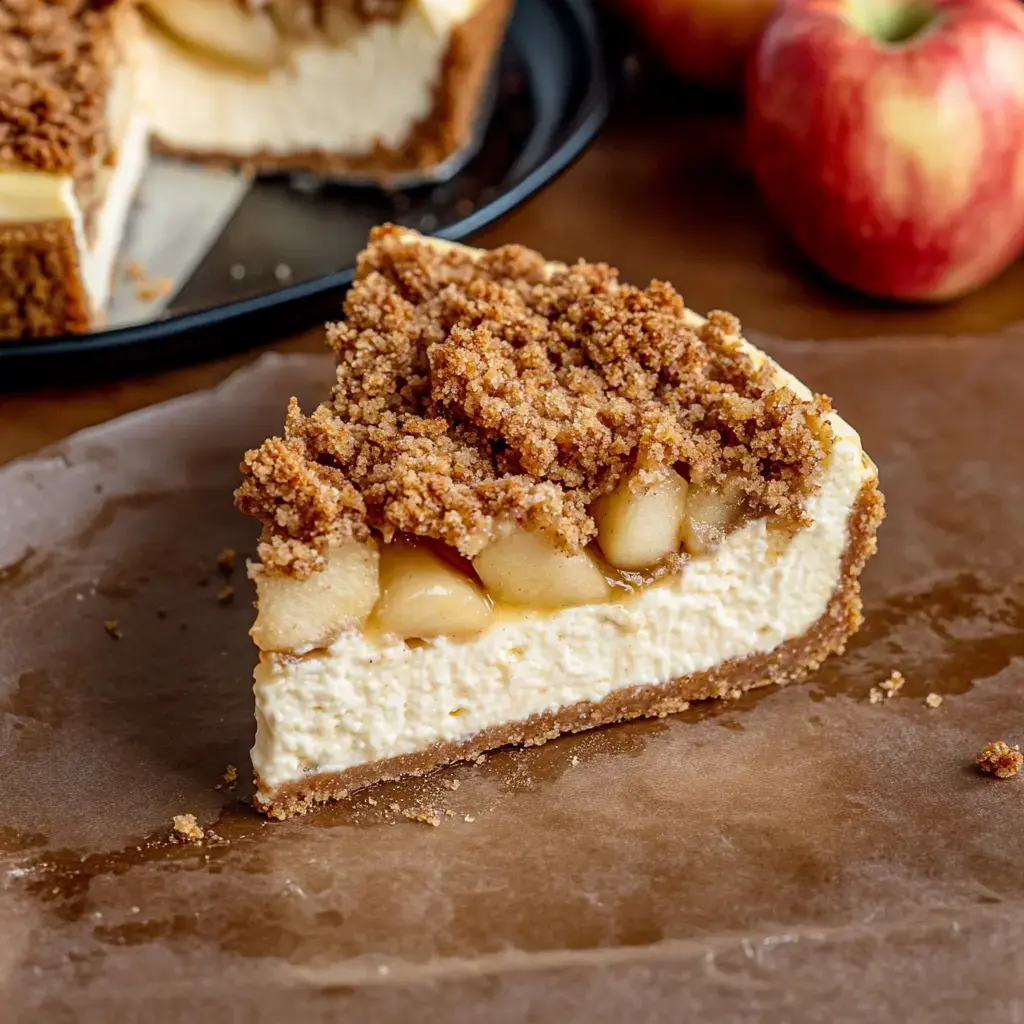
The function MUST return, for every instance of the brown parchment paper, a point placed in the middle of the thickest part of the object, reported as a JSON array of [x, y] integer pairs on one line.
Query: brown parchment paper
[[797, 855]]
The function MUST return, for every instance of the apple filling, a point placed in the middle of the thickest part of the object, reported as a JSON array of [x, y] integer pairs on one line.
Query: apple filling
[[415, 589], [253, 37]]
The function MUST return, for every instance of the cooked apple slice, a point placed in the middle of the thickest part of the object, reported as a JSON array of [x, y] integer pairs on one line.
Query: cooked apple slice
[[641, 521], [424, 596], [302, 614], [709, 514], [223, 29], [524, 568]]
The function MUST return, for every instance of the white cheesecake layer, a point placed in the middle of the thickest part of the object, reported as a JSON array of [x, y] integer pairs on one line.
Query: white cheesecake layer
[[360, 701], [332, 99]]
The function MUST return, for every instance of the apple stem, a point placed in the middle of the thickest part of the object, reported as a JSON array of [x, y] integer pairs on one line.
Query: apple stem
[[893, 22]]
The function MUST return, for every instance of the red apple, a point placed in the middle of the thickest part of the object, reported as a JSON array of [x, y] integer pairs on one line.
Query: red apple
[[888, 137], [707, 41]]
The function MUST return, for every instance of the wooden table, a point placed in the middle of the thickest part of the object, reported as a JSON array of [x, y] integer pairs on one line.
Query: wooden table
[[662, 193]]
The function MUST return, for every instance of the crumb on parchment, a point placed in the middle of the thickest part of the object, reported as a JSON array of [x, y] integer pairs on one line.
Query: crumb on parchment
[[226, 594], [424, 815], [227, 558], [933, 700], [999, 759], [113, 629], [186, 829], [891, 686]]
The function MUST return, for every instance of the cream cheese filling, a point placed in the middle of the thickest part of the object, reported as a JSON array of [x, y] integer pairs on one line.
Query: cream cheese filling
[[362, 700], [346, 99]]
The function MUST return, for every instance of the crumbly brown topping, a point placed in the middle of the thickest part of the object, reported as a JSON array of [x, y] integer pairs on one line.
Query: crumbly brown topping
[[1000, 759], [471, 389], [54, 76], [186, 829]]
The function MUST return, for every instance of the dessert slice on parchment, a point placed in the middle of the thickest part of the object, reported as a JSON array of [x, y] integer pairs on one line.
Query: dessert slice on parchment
[[73, 143], [537, 500]]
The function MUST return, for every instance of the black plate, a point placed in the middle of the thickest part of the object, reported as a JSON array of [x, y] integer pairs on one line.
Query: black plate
[[552, 95]]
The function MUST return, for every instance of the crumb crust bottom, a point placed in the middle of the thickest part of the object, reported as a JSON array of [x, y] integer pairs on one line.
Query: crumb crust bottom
[[788, 662], [440, 137]]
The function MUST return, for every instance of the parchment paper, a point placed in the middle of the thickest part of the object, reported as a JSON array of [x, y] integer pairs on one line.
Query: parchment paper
[[797, 855]]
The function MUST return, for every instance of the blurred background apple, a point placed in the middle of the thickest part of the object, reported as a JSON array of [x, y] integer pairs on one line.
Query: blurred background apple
[[888, 137], [706, 41]]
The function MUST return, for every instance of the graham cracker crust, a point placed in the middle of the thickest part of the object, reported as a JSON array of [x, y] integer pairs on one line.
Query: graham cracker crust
[[41, 293], [790, 661], [445, 132]]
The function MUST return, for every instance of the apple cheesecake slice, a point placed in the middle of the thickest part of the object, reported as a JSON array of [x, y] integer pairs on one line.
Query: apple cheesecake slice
[[73, 145], [537, 500]]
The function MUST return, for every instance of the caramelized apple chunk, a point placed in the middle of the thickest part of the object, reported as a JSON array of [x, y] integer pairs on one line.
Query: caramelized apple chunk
[[302, 614], [227, 31], [424, 596], [641, 521], [710, 512], [524, 568]]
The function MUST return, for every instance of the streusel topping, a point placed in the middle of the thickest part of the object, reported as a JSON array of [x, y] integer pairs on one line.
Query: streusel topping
[[475, 388], [54, 77]]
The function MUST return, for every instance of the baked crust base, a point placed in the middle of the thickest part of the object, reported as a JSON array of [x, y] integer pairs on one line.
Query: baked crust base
[[788, 662], [41, 291], [439, 138]]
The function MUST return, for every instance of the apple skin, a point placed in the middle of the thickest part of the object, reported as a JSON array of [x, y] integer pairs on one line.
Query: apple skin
[[706, 41], [897, 167]]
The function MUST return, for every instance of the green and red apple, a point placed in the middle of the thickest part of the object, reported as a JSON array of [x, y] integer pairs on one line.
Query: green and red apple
[[888, 137], [706, 41]]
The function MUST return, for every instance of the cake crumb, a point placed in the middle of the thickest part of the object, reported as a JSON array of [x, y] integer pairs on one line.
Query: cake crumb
[[575, 761], [426, 816], [113, 629], [230, 776], [394, 807], [449, 813], [893, 684], [875, 695], [237, 272], [479, 759], [134, 271], [150, 291], [186, 829], [469, 818], [370, 800], [735, 693], [1001, 760], [933, 700], [226, 594], [226, 560], [450, 783]]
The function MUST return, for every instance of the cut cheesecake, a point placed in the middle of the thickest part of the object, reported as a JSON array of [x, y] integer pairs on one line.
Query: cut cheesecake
[[353, 89], [538, 500], [384, 92], [72, 150]]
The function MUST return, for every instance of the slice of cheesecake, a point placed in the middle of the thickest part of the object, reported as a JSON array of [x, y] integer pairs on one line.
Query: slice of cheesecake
[[378, 90], [537, 500], [72, 150]]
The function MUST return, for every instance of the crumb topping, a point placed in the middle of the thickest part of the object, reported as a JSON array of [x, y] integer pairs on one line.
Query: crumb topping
[[477, 388], [55, 60], [186, 829], [1000, 759]]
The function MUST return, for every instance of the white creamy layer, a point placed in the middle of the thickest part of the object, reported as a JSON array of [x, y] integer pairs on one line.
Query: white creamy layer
[[358, 701], [329, 99]]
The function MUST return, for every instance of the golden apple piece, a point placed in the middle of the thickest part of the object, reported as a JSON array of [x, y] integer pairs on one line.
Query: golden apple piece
[[425, 596], [641, 521], [524, 568], [302, 614], [710, 512], [223, 29]]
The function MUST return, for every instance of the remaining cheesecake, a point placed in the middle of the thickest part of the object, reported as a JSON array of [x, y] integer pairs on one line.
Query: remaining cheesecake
[[72, 150], [537, 500], [386, 92], [363, 89]]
